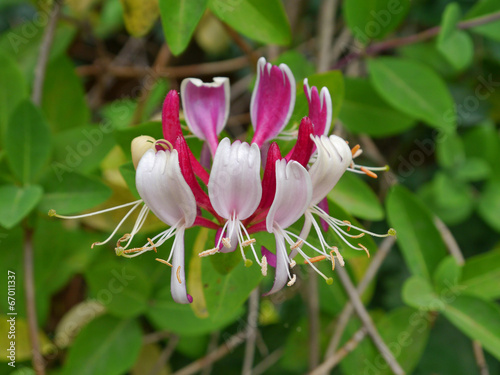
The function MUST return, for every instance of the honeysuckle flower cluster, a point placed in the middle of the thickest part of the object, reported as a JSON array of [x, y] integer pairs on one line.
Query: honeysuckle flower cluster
[[231, 197]]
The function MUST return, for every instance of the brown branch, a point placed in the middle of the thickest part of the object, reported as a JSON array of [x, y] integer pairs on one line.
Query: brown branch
[[376, 48], [210, 68], [335, 359], [267, 362], [165, 355], [29, 291], [252, 321], [326, 22], [312, 298], [220, 352], [480, 360], [449, 241], [345, 315], [212, 345], [368, 323], [43, 57]]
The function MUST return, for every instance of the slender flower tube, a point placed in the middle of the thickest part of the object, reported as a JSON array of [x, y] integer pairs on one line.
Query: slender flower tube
[[235, 191], [320, 108], [293, 184], [206, 108], [161, 185], [273, 99]]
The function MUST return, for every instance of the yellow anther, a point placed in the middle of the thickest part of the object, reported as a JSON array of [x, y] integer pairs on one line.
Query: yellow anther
[[332, 258], [152, 245], [226, 242], [348, 223], [355, 149], [358, 235], [248, 242], [365, 249], [293, 263], [263, 266], [338, 255], [178, 274], [296, 245], [368, 172], [293, 280], [208, 252], [164, 262], [316, 259]]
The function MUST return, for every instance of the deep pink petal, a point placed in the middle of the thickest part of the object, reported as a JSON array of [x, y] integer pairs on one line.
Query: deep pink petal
[[271, 257], [293, 195], [320, 108], [303, 149], [172, 129], [323, 204], [269, 178], [273, 99], [206, 108]]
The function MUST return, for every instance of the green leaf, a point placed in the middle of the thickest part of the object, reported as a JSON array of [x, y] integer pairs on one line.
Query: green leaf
[[166, 314], [179, 19], [478, 319], [17, 202], [12, 90], [481, 275], [449, 20], [262, 20], [414, 89], [374, 19], [489, 204], [333, 81], [128, 173], [72, 193], [225, 294], [27, 142], [63, 100], [483, 8], [447, 275], [450, 151], [419, 293], [357, 198], [455, 45], [124, 289], [417, 236], [106, 345], [364, 111], [473, 169], [125, 136]]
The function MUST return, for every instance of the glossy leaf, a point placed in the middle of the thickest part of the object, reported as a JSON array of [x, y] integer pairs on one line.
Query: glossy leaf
[[478, 319], [123, 288], [243, 16], [481, 275], [12, 90], [364, 111], [27, 142], [106, 345], [419, 293], [62, 85], [414, 89], [72, 193], [374, 19], [483, 8], [447, 275], [357, 198], [179, 19], [417, 236], [489, 204], [17, 202]]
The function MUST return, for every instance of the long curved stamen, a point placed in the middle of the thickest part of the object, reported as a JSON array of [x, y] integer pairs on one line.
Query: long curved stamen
[[52, 213]]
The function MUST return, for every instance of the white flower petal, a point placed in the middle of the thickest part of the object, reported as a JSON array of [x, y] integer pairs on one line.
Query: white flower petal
[[234, 187]]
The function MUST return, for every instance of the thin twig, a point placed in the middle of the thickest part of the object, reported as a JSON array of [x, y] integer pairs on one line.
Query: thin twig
[[312, 298], [267, 362], [368, 323], [242, 44], [326, 22], [450, 241], [212, 344], [376, 48], [252, 321], [335, 359], [210, 68], [29, 291], [341, 42], [154, 337], [345, 315], [220, 352], [43, 57], [165, 355], [480, 360]]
